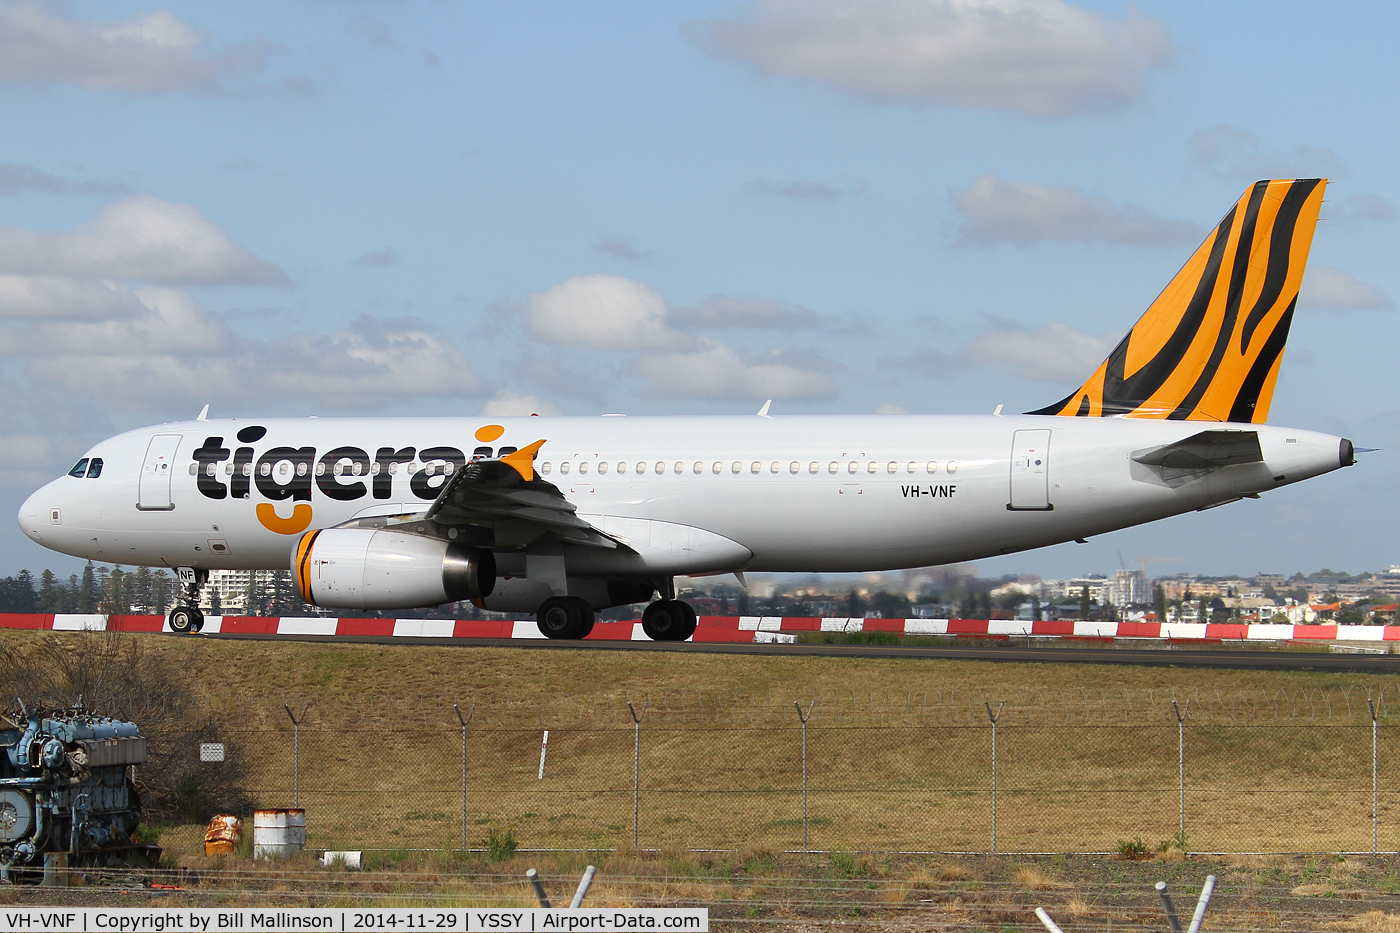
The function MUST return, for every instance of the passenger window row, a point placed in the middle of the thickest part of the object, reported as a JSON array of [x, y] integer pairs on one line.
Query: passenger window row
[[755, 467], [90, 469], [284, 468]]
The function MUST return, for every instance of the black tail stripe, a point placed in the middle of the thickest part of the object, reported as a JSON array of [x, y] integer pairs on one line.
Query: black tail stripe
[[1248, 397], [1280, 251], [1128, 394], [1234, 293]]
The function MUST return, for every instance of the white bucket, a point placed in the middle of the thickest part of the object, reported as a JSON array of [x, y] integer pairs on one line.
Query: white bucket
[[348, 860], [278, 833]]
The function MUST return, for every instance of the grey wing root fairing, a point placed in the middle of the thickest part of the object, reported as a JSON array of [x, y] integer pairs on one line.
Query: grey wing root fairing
[[500, 504], [492, 494]]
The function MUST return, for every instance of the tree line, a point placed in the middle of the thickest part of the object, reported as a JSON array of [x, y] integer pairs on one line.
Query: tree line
[[114, 591], [143, 591]]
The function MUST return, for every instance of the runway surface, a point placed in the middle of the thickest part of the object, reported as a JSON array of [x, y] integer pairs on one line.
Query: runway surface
[[1256, 659]]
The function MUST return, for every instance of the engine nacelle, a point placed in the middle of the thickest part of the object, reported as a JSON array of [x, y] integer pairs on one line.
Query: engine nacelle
[[368, 568]]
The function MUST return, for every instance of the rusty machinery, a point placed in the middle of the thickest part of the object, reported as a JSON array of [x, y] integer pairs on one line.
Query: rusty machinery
[[67, 785]]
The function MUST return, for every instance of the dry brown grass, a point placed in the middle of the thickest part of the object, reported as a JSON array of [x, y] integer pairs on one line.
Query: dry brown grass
[[1248, 862], [278, 670], [1373, 921], [1035, 880], [956, 872], [895, 893], [1314, 890], [875, 786], [922, 878]]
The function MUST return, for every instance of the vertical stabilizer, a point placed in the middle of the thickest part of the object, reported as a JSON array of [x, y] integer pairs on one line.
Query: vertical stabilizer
[[1208, 349]]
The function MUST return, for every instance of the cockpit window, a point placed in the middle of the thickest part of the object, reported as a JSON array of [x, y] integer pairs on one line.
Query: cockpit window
[[79, 468], [95, 468]]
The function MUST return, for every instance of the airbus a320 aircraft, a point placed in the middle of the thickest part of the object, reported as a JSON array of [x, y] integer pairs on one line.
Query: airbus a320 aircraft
[[566, 516]]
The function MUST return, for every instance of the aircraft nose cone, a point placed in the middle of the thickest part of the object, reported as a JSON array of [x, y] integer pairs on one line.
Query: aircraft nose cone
[[29, 515]]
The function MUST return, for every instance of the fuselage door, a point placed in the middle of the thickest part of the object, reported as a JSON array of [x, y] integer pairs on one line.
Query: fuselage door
[[1030, 470], [156, 472]]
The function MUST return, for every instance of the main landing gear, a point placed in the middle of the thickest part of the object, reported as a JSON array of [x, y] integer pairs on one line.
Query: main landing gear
[[669, 620], [564, 617], [187, 619], [571, 617]]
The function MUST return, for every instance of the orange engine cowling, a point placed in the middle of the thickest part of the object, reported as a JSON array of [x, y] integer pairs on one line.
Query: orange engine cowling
[[368, 568]]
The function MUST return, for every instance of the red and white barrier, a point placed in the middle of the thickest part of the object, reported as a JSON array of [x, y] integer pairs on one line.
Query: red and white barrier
[[749, 629]]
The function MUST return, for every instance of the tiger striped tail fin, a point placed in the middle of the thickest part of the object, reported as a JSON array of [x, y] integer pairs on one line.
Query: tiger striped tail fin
[[1208, 349]]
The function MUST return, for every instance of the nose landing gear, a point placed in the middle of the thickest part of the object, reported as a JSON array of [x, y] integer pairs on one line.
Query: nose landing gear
[[188, 619]]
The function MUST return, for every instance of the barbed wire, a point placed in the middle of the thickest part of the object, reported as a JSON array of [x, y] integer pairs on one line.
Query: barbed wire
[[740, 708]]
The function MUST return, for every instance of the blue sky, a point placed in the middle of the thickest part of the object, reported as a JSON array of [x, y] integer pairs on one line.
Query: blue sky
[[918, 205]]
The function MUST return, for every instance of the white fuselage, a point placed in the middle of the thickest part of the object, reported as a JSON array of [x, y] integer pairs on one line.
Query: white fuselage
[[798, 493]]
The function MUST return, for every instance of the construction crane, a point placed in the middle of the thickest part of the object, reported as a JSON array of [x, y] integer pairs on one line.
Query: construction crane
[[1157, 560]]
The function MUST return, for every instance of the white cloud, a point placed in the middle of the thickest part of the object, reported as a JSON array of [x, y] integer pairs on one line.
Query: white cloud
[[59, 299], [996, 211], [1230, 152], [1037, 57], [175, 349], [142, 238], [717, 372], [1053, 353], [1334, 290], [150, 52], [721, 312], [607, 312], [885, 408], [510, 405]]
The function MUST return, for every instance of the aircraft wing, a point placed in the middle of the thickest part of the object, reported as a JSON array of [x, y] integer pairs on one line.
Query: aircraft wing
[[1205, 451], [507, 497]]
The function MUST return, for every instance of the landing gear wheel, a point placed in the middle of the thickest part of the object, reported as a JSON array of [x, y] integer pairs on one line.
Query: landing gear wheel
[[564, 617], [186, 620], [588, 618], [669, 620]]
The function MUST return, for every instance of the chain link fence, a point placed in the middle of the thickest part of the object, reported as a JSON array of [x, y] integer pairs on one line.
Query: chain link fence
[[1047, 771]]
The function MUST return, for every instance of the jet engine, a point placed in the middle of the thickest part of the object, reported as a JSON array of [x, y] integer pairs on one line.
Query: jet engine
[[367, 568]]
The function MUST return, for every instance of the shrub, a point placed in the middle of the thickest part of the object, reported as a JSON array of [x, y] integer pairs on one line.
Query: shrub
[[1132, 850], [499, 842], [1176, 840]]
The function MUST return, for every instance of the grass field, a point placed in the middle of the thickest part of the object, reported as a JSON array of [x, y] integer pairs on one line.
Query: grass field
[[899, 750]]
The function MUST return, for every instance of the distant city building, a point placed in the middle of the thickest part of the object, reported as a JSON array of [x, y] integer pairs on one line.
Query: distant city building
[[1057, 590], [231, 586], [1129, 587]]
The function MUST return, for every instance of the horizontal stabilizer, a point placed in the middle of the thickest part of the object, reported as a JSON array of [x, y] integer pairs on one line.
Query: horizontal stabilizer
[[1205, 451]]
